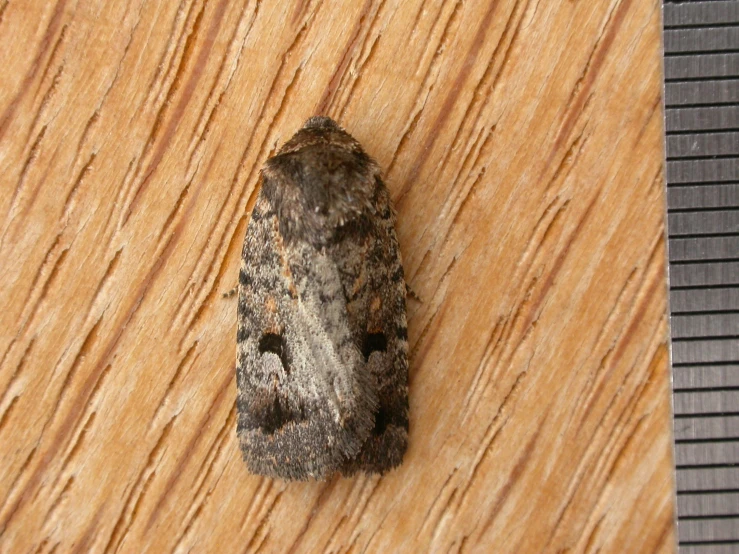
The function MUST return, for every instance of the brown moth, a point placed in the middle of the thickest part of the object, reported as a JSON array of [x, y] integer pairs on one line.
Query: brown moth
[[322, 367]]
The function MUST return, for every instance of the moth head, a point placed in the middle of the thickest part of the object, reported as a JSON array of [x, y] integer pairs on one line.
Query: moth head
[[320, 182]]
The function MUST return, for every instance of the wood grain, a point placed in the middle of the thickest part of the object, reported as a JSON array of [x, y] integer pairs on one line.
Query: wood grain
[[522, 146]]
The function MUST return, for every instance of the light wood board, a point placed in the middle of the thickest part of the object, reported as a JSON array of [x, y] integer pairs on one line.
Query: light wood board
[[522, 145]]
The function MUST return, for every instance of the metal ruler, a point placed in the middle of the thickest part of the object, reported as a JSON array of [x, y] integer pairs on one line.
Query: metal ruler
[[701, 64]]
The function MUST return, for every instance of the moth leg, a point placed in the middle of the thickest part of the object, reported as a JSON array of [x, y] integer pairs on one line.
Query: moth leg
[[410, 292]]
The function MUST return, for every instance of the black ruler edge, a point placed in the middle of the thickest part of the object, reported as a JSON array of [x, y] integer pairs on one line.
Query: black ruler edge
[[701, 142]]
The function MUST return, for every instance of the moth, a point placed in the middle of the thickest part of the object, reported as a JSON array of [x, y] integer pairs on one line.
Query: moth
[[322, 350]]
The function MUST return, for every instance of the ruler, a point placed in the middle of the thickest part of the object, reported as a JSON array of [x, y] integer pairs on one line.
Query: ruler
[[701, 66]]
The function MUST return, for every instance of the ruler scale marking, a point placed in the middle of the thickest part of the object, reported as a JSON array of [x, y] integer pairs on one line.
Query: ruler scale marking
[[701, 96]]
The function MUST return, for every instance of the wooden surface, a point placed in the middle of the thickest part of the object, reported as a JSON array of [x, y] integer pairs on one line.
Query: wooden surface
[[522, 146]]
